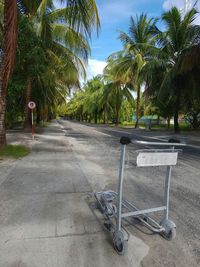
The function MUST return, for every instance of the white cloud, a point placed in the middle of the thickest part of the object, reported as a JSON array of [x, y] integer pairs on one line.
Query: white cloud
[[167, 4], [95, 67], [170, 3]]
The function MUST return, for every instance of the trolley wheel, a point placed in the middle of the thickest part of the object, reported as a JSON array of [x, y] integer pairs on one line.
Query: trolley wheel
[[120, 245], [101, 208], [170, 234], [110, 210]]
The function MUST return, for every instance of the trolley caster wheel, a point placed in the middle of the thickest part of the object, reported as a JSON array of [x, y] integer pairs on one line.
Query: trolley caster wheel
[[119, 243], [101, 208], [111, 210], [170, 234], [170, 230]]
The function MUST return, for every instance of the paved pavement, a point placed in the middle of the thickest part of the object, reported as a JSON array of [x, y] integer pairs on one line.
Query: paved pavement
[[47, 213]]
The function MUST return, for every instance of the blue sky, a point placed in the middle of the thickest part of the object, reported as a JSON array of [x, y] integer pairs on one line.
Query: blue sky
[[115, 16]]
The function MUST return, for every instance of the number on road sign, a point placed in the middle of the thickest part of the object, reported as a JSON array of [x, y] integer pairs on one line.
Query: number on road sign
[[31, 105]]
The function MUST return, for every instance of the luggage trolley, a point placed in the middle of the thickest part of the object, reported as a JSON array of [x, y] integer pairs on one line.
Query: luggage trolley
[[115, 208]]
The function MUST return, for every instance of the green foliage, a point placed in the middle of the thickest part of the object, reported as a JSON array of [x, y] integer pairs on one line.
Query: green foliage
[[31, 61], [53, 46], [170, 84], [32, 56], [51, 54], [138, 46], [100, 101], [14, 151], [87, 102], [127, 111]]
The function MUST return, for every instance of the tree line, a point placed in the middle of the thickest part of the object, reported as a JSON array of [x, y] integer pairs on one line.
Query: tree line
[[44, 50], [160, 66]]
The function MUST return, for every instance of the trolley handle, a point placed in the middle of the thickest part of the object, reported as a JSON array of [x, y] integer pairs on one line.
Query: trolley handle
[[171, 142]]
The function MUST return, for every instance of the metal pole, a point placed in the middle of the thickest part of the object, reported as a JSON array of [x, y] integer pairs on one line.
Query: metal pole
[[120, 186], [32, 124], [166, 194]]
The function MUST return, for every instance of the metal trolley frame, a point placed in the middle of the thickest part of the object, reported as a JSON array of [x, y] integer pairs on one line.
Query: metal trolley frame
[[115, 208]]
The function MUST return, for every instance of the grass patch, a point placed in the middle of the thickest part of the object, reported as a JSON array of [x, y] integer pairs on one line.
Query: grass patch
[[14, 151]]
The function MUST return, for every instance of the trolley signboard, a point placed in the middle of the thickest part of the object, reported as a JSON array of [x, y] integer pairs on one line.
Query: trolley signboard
[[145, 159]]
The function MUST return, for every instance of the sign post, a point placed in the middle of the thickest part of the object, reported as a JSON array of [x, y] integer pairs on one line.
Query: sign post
[[32, 106]]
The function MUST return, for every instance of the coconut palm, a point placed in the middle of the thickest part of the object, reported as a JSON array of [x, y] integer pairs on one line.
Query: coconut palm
[[181, 34], [93, 91], [9, 28], [117, 87], [139, 44], [81, 15], [65, 41], [188, 67]]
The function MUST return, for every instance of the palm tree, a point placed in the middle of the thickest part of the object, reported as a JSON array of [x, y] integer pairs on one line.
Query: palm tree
[[93, 91], [188, 67], [9, 28], [64, 39], [180, 35], [81, 14], [117, 87], [138, 45]]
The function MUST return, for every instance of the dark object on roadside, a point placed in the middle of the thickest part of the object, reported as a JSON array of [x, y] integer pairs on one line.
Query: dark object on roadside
[[173, 140], [114, 120], [125, 140]]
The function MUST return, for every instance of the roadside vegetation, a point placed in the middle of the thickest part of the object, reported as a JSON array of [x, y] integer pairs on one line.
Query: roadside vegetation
[[44, 51], [14, 151], [155, 77], [43, 55]]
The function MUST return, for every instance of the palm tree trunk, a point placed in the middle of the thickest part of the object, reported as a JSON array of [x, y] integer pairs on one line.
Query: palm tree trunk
[[176, 124], [168, 122], [137, 107], [104, 116], [2, 122], [95, 118], [8, 56], [117, 117], [27, 121], [158, 120], [176, 112]]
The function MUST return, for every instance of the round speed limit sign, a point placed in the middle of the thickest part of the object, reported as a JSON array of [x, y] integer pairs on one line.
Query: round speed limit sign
[[31, 105]]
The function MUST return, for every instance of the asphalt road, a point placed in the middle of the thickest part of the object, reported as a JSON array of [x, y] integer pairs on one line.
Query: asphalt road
[[97, 150]]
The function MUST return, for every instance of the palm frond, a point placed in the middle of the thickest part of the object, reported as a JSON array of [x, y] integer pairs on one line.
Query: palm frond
[[73, 40], [82, 15]]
